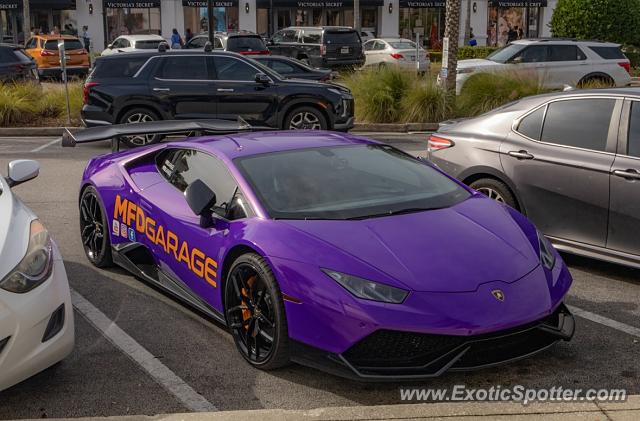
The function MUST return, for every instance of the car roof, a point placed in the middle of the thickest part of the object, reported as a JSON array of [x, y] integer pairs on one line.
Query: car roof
[[256, 143], [394, 39], [154, 53], [321, 27], [563, 41], [12, 46], [142, 37], [55, 37]]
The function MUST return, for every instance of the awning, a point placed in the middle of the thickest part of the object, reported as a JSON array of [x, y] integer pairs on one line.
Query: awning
[[9, 4], [141, 4], [216, 3], [423, 3], [518, 3], [318, 4], [53, 4]]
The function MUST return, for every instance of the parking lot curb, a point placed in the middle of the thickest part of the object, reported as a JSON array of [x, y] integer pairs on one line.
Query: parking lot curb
[[359, 127], [568, 411]]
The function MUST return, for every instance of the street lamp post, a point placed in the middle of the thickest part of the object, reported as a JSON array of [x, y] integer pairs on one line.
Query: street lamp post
[[356, 15], [26, 24], [210, 20]]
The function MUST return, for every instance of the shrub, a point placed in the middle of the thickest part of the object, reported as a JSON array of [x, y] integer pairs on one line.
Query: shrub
[[425, 102], [474, 52], [17, 101], [29, 103], [606, 20], [483, 92]]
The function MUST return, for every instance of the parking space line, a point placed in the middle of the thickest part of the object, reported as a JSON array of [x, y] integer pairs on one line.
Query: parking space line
[[614, 324], [46, 145], [158, 371]]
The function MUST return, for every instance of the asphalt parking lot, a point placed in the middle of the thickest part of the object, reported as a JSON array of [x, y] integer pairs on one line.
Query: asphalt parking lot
[[99, 379]]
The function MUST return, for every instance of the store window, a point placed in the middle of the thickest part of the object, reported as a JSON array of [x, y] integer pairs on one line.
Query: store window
[[224, 18], [508, 24], [427, 22], [132, 21]]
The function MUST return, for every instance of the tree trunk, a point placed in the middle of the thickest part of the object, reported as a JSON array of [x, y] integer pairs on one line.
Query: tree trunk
[[26, 22], [452, 31], [467, 24]]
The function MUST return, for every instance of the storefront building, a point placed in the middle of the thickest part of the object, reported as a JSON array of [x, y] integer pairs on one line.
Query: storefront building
[[494, 22]]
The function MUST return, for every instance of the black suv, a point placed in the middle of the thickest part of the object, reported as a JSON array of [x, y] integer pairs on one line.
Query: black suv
[[329, 46], [243, 42], [15, 64], [187, 84]]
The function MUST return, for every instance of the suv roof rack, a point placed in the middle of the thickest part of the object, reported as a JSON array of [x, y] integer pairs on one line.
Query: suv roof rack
[[189, 128], [547, 39]]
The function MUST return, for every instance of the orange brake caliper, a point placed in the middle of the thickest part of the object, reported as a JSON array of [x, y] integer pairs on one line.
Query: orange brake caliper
[[246, 313]]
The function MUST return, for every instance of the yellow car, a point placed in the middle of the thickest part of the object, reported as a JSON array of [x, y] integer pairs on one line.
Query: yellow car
[[44, 50]]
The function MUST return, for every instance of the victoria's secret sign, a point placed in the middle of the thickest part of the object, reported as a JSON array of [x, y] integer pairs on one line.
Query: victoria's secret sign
[[132, 4], [8, 4], [215, 3]]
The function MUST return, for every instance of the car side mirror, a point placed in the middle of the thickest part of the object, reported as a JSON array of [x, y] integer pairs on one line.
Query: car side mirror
[[22, 170], [201, 200], [262, 79], [110, 46]]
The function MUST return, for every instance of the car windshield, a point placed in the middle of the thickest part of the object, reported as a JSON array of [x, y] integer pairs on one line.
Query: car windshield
[[505, 53], [347, 182], [246, 44], [148, 44], [403, 45]]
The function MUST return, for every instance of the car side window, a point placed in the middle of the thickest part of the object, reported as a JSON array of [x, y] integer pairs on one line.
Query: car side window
[[117, 43], [531, 125], [217, 44], [230, 68], [582, 123], [533, 54], [187, 165], [32, 43], [565, 53], [197, 42], [368, 46], [289, 35], [282, 67], [183, 68], [633, 139], [379, 46], [124, 43], [311, 36]]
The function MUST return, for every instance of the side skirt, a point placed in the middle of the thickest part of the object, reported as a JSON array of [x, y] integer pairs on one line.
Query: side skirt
[[595, 252], [128, 255]]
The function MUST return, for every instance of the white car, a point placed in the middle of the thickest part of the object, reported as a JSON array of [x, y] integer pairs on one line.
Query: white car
[[366, 35], [36, 317], [395, 52], [555, 62], [133, 43]]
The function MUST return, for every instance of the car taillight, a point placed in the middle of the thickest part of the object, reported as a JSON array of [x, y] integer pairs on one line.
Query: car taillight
[[397, 56], [323, 50], [625, 65], [47, 53], [86, 90], [437, 143]]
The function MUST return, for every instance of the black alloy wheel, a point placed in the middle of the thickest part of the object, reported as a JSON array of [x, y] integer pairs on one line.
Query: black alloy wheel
[[94, 230]]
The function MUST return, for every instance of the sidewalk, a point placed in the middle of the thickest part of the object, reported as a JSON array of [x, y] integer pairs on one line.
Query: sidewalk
[[479, 411]]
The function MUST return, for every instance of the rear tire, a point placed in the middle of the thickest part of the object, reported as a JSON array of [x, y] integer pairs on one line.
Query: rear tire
[[305, 118], [139, 115], [496, 190], [596, 81], [94, 229]]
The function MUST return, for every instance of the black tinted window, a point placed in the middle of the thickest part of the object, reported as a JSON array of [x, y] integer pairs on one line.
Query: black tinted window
[[287, 35], [582, 123], [311, 36], [7, 56], [533, 54], [229, 68], [197, 42], [634, 131], [148, 45], [566, 53], [118, 67], [282, 67], [183, 68], [609, 53], [241, 44], [531, 125], [69, 44], [342, 37]]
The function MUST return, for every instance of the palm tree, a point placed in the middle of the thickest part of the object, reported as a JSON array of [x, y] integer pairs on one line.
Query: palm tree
[[452, 31], [467, 24]]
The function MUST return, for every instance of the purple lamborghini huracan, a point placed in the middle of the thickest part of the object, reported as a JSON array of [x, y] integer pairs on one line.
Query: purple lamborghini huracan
[[329, 250]]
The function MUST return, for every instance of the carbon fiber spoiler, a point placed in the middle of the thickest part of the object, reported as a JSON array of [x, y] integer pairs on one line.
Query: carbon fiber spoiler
[[188, 128]]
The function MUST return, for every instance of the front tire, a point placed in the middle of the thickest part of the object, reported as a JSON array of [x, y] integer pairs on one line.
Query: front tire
[[255, 313], [139, 115], [94, 230], [305, 118], [496, 190]]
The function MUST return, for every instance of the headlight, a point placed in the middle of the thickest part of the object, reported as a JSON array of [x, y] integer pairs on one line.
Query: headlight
[[35, 266], [466, 70], [547, 255], [368, 290]]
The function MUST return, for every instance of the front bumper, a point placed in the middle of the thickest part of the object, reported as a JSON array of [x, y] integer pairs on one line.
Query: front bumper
[[37, 328], [387, 355]]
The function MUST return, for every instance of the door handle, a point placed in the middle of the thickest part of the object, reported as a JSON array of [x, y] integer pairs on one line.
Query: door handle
[[521, 154], [225, 89], [628, 174], [161, 89]]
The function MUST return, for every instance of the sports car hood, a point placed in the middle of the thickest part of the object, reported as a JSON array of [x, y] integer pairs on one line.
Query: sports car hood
[[446, 250], [15, 219]]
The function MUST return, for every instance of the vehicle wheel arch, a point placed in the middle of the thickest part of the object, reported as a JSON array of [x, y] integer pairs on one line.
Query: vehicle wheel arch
[[231, 256], [478, 173], [596, 76], [128, 107], [305, 102]]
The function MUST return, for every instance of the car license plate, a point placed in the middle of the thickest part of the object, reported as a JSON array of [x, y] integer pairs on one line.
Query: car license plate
[[344, 50]]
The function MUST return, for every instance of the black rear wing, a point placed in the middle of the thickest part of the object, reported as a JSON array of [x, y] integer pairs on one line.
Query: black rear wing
[[189, 128]]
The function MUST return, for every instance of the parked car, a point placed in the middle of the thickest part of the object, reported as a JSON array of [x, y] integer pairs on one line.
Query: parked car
[[291, 68], [569, 161], [367, 35], [36, 321], [310, 247], [133, 43], [395, 52], [183, 84], [243, 42], [44, 50], [326, 47], [15, 64], [556, 62]]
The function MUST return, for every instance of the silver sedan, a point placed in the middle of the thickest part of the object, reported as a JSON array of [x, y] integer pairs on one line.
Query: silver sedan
[[395, 52], [570, 161]]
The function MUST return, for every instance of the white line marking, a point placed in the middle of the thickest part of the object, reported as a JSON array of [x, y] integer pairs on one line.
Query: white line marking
[[158, 371], [46, 145], [623, 327]]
